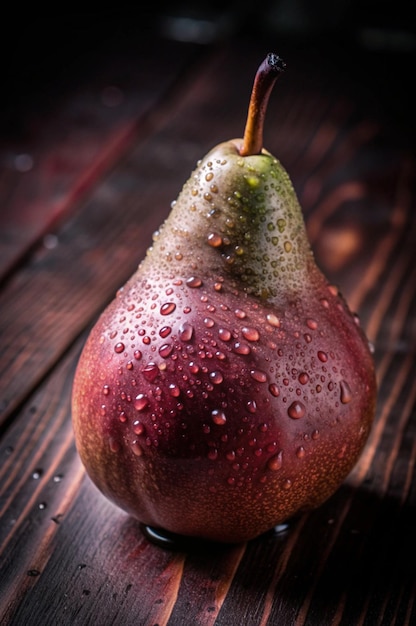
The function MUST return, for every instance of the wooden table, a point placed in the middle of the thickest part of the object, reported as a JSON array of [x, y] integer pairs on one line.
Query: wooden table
[[92, 153]]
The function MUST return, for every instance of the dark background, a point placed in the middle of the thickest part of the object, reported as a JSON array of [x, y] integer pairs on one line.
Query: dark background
[[45, 52]]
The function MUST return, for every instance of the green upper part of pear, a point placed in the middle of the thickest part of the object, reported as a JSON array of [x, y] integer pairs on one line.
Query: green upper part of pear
[[239, 217]]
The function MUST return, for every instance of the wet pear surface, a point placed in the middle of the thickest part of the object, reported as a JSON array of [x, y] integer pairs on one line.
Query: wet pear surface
[[230, 385]]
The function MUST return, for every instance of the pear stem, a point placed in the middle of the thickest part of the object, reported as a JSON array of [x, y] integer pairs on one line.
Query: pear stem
[[271, 68]]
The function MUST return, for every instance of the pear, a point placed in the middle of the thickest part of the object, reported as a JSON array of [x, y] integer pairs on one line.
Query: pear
[[227, 387]]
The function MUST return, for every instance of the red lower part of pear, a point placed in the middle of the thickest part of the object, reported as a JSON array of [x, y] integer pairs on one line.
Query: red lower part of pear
[[215, 416]]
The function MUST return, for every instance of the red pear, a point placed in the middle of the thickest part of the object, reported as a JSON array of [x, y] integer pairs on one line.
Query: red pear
[[227, 386]]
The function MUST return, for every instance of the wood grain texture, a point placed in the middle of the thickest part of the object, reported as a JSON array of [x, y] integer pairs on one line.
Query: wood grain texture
[[64, 151], [67, 555]]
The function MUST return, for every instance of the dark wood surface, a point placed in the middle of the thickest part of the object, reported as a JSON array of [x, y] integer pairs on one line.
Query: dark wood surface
[[91, 157]]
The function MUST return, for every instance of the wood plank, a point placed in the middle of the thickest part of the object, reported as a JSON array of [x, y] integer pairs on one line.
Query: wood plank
[[93, 254], [76, 134]]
